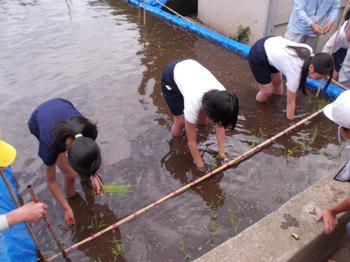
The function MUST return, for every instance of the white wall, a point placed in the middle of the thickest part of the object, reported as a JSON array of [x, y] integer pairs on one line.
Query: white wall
[[224, 16]]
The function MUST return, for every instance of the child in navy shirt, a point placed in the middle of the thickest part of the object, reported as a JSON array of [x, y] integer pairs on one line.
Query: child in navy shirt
[[61, 128]]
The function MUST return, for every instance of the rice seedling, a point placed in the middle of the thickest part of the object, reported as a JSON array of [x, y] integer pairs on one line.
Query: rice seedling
[[97, 224], [234, 222], [117, 248], [182, 247], [258, 138], [314, 136], [213, 230], [117, 188]]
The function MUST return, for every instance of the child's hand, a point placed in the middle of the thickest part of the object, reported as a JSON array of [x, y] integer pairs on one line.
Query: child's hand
[[97, 183], [329, 220], [69, 217]]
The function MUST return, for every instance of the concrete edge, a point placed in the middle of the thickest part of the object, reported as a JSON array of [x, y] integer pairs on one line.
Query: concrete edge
[[270, 239]]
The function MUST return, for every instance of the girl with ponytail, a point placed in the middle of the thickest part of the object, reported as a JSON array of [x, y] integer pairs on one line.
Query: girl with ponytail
[[271, 57], [60, 128]]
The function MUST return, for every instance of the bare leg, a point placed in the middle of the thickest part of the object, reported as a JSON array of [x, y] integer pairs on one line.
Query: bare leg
[[264, 93], [178, 127], [202, 118], [277, 83], [69, 175]]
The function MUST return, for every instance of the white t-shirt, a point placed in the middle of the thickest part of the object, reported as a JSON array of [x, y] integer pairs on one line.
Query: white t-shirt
[[341, 41], [193, 81], [285, 59]]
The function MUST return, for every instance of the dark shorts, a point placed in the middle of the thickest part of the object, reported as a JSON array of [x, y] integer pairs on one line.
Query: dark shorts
[[339, 57], [170, 91], [259, 63]]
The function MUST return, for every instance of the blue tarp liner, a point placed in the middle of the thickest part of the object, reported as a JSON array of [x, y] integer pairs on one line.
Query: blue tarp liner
[[332, 91], [153, 3], [15, 244]]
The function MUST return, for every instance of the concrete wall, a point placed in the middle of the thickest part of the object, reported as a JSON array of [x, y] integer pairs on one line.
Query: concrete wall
[[270, 239], [264, 17], [224, 16]]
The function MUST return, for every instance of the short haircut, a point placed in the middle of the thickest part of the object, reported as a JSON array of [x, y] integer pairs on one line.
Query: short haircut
[[221, 106]]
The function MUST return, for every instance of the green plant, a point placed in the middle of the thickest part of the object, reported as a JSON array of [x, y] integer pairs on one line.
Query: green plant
[[117, 188], [314, 136], [291, 152], [96, 224], [213, 229], [181, 247], [242, 34], [117, 248], [234, 222], [258, 138]]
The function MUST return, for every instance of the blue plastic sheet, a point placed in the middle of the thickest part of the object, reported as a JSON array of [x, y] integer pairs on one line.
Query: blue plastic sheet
[[332, 91], [15, 244]]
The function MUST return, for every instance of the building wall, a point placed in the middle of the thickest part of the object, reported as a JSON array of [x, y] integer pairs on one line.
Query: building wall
[[224, 16], [264, 17]]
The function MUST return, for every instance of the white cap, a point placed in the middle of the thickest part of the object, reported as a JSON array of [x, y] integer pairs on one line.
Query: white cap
[[339, 110]]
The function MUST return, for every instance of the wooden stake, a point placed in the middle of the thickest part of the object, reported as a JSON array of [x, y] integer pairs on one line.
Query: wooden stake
[[144, 12]]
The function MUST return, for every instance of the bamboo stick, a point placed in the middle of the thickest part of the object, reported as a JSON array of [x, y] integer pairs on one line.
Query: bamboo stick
[[30, 230], [193, 183], [144, 12], [339, 84], [48, 223], [173, 11]]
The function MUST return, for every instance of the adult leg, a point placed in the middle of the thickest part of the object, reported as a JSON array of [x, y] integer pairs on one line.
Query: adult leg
[[178, 126], [69, 175], [265, 92], [277, 83], [294, 37], [311, 41]]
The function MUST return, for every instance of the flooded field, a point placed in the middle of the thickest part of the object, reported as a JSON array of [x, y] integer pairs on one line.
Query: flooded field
[[97, 55]]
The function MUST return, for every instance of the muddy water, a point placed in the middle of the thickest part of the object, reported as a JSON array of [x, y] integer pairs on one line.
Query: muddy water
[[98, 55]]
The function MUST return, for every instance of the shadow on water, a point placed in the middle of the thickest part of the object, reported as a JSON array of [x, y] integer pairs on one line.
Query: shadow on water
[[90, 219]]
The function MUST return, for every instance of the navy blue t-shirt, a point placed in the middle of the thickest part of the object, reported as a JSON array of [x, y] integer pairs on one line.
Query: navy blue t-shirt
[[42, 123]]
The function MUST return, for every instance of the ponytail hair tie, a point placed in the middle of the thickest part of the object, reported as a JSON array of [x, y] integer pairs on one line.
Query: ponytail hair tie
[[77, 136]]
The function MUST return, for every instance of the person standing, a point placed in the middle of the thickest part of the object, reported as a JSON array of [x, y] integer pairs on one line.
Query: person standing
[[310, 19]]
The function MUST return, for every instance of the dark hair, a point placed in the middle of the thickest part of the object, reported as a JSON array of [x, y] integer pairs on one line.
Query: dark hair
[[347, 15], [84, 154], [221, 106], [323, 64]]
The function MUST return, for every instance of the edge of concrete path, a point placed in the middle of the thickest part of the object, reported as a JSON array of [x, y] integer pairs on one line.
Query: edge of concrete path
[[270, 239]]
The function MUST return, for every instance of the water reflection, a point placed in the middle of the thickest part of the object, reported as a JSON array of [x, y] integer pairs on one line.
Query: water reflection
[[178, 162], [91, 218]]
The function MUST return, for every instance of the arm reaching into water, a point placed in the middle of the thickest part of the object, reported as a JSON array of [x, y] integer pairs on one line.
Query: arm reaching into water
[[291, 98], [192, 144], [52, 185]]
